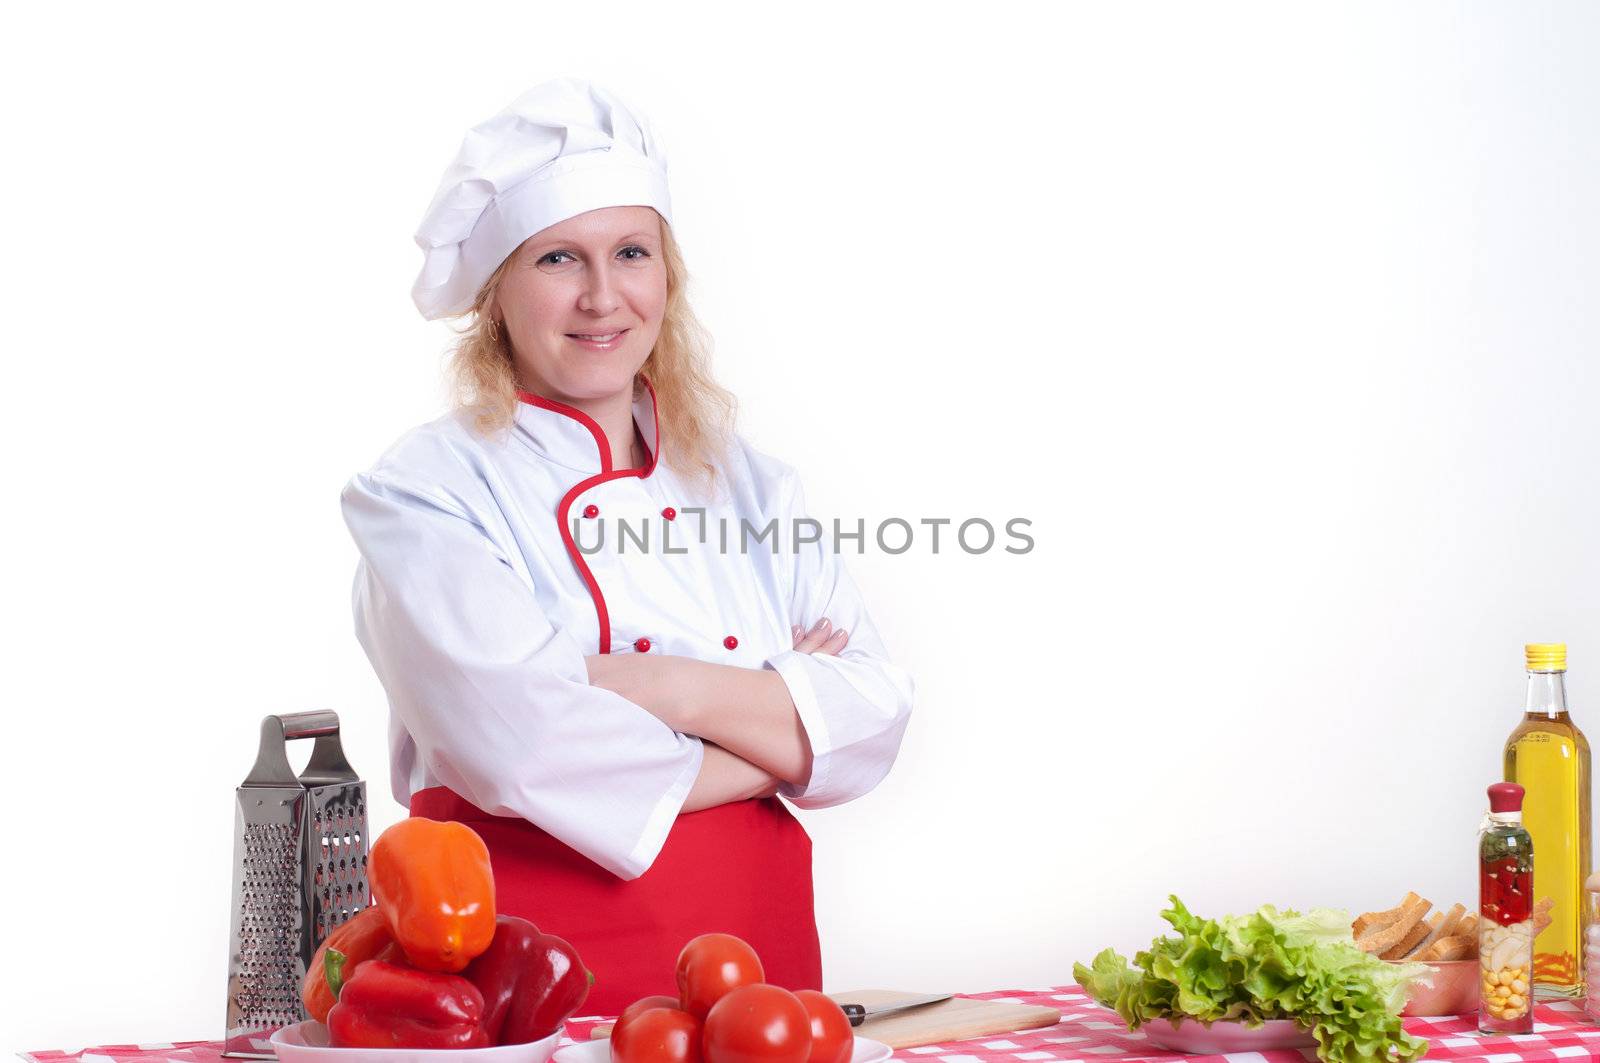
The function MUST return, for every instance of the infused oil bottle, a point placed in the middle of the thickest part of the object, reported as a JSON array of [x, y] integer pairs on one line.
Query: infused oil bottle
[[1549, 757], [1505, 915]]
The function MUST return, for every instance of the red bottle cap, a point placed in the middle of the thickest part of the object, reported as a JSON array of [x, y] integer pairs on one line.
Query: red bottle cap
[[1505, 797]]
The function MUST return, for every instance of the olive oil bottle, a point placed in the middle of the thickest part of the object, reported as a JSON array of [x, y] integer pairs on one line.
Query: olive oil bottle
[[1549, 757]]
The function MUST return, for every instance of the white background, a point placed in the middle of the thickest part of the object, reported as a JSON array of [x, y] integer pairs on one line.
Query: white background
[[1278, 322]]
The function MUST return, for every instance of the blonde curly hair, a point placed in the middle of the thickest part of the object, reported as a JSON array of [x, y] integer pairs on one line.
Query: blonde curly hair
[[696, 414]]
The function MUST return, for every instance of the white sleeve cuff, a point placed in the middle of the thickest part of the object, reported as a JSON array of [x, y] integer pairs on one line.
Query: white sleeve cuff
[[659, 825], [791, 665]]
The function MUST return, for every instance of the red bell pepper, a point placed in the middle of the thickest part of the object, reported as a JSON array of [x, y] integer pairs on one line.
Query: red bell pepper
[[384, 1005], [531, 982], [364, 936]]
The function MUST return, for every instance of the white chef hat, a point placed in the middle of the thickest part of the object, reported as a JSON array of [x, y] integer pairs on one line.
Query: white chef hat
[[560, 149]]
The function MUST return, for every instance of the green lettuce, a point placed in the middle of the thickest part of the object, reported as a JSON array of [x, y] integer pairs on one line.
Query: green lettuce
[[1270, 964]]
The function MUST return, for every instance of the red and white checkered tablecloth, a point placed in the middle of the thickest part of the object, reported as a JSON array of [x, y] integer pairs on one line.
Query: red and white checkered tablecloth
[[1087, 1033]]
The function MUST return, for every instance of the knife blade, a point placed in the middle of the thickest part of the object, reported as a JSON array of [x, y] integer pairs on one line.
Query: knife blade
[[860, 1013]]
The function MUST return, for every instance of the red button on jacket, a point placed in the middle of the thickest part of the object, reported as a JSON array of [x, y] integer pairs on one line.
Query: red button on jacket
[[591, 511], [670, 513], [642, 645], [731, 642]]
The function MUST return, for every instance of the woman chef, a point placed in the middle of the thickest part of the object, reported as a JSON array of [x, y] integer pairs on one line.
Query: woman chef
[[614, 720]]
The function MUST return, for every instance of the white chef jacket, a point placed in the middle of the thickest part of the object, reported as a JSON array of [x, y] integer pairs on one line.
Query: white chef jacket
[[477, 612]]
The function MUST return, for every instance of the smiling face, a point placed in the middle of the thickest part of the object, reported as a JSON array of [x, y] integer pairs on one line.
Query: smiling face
[[582, 302]]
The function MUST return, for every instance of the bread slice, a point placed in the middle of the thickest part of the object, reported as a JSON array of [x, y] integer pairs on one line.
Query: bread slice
[[1455, 947], [1436, 929], [1443, 924], [1424, 928], [1381, 939], [1371, 920]]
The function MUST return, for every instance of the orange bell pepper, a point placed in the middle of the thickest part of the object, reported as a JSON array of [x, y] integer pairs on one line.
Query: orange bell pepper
[[362, 937], [433, 882]]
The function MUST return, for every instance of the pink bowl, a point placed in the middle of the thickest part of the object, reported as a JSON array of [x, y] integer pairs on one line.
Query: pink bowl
[[1454, 990], [1193, 1038]]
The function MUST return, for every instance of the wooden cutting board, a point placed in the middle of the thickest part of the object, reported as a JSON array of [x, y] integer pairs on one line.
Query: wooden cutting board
[[949, 1020]]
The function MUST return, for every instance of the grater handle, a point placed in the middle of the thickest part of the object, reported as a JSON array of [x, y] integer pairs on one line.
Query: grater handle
[[312, 724], [327, 764]]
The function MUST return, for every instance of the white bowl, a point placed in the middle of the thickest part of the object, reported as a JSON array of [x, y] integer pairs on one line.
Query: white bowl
[[307, 1042], [866, 1051]]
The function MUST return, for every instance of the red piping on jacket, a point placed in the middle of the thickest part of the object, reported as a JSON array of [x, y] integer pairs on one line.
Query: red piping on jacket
[[605, 475]]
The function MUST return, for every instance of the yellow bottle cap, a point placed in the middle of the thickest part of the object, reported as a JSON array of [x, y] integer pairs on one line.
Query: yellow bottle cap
[[1546, 656]]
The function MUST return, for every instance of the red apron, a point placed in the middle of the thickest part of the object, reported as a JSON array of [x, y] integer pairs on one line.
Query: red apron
[[741, 869]]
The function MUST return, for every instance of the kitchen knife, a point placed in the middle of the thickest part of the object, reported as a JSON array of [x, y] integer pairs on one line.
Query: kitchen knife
[[860, 1013]]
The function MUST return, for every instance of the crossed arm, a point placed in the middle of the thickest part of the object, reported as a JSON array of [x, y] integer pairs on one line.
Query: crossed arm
[[753, 736]]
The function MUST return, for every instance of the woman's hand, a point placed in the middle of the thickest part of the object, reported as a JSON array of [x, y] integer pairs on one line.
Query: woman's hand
[[820, 639]]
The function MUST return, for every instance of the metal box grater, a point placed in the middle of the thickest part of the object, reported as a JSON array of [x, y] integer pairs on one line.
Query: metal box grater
[[300, 869]]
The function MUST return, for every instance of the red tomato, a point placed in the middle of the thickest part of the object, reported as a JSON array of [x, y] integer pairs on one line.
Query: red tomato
[[643, 1004], [711, 965], [832, 1039], [656, 1035], [757, 1023]]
